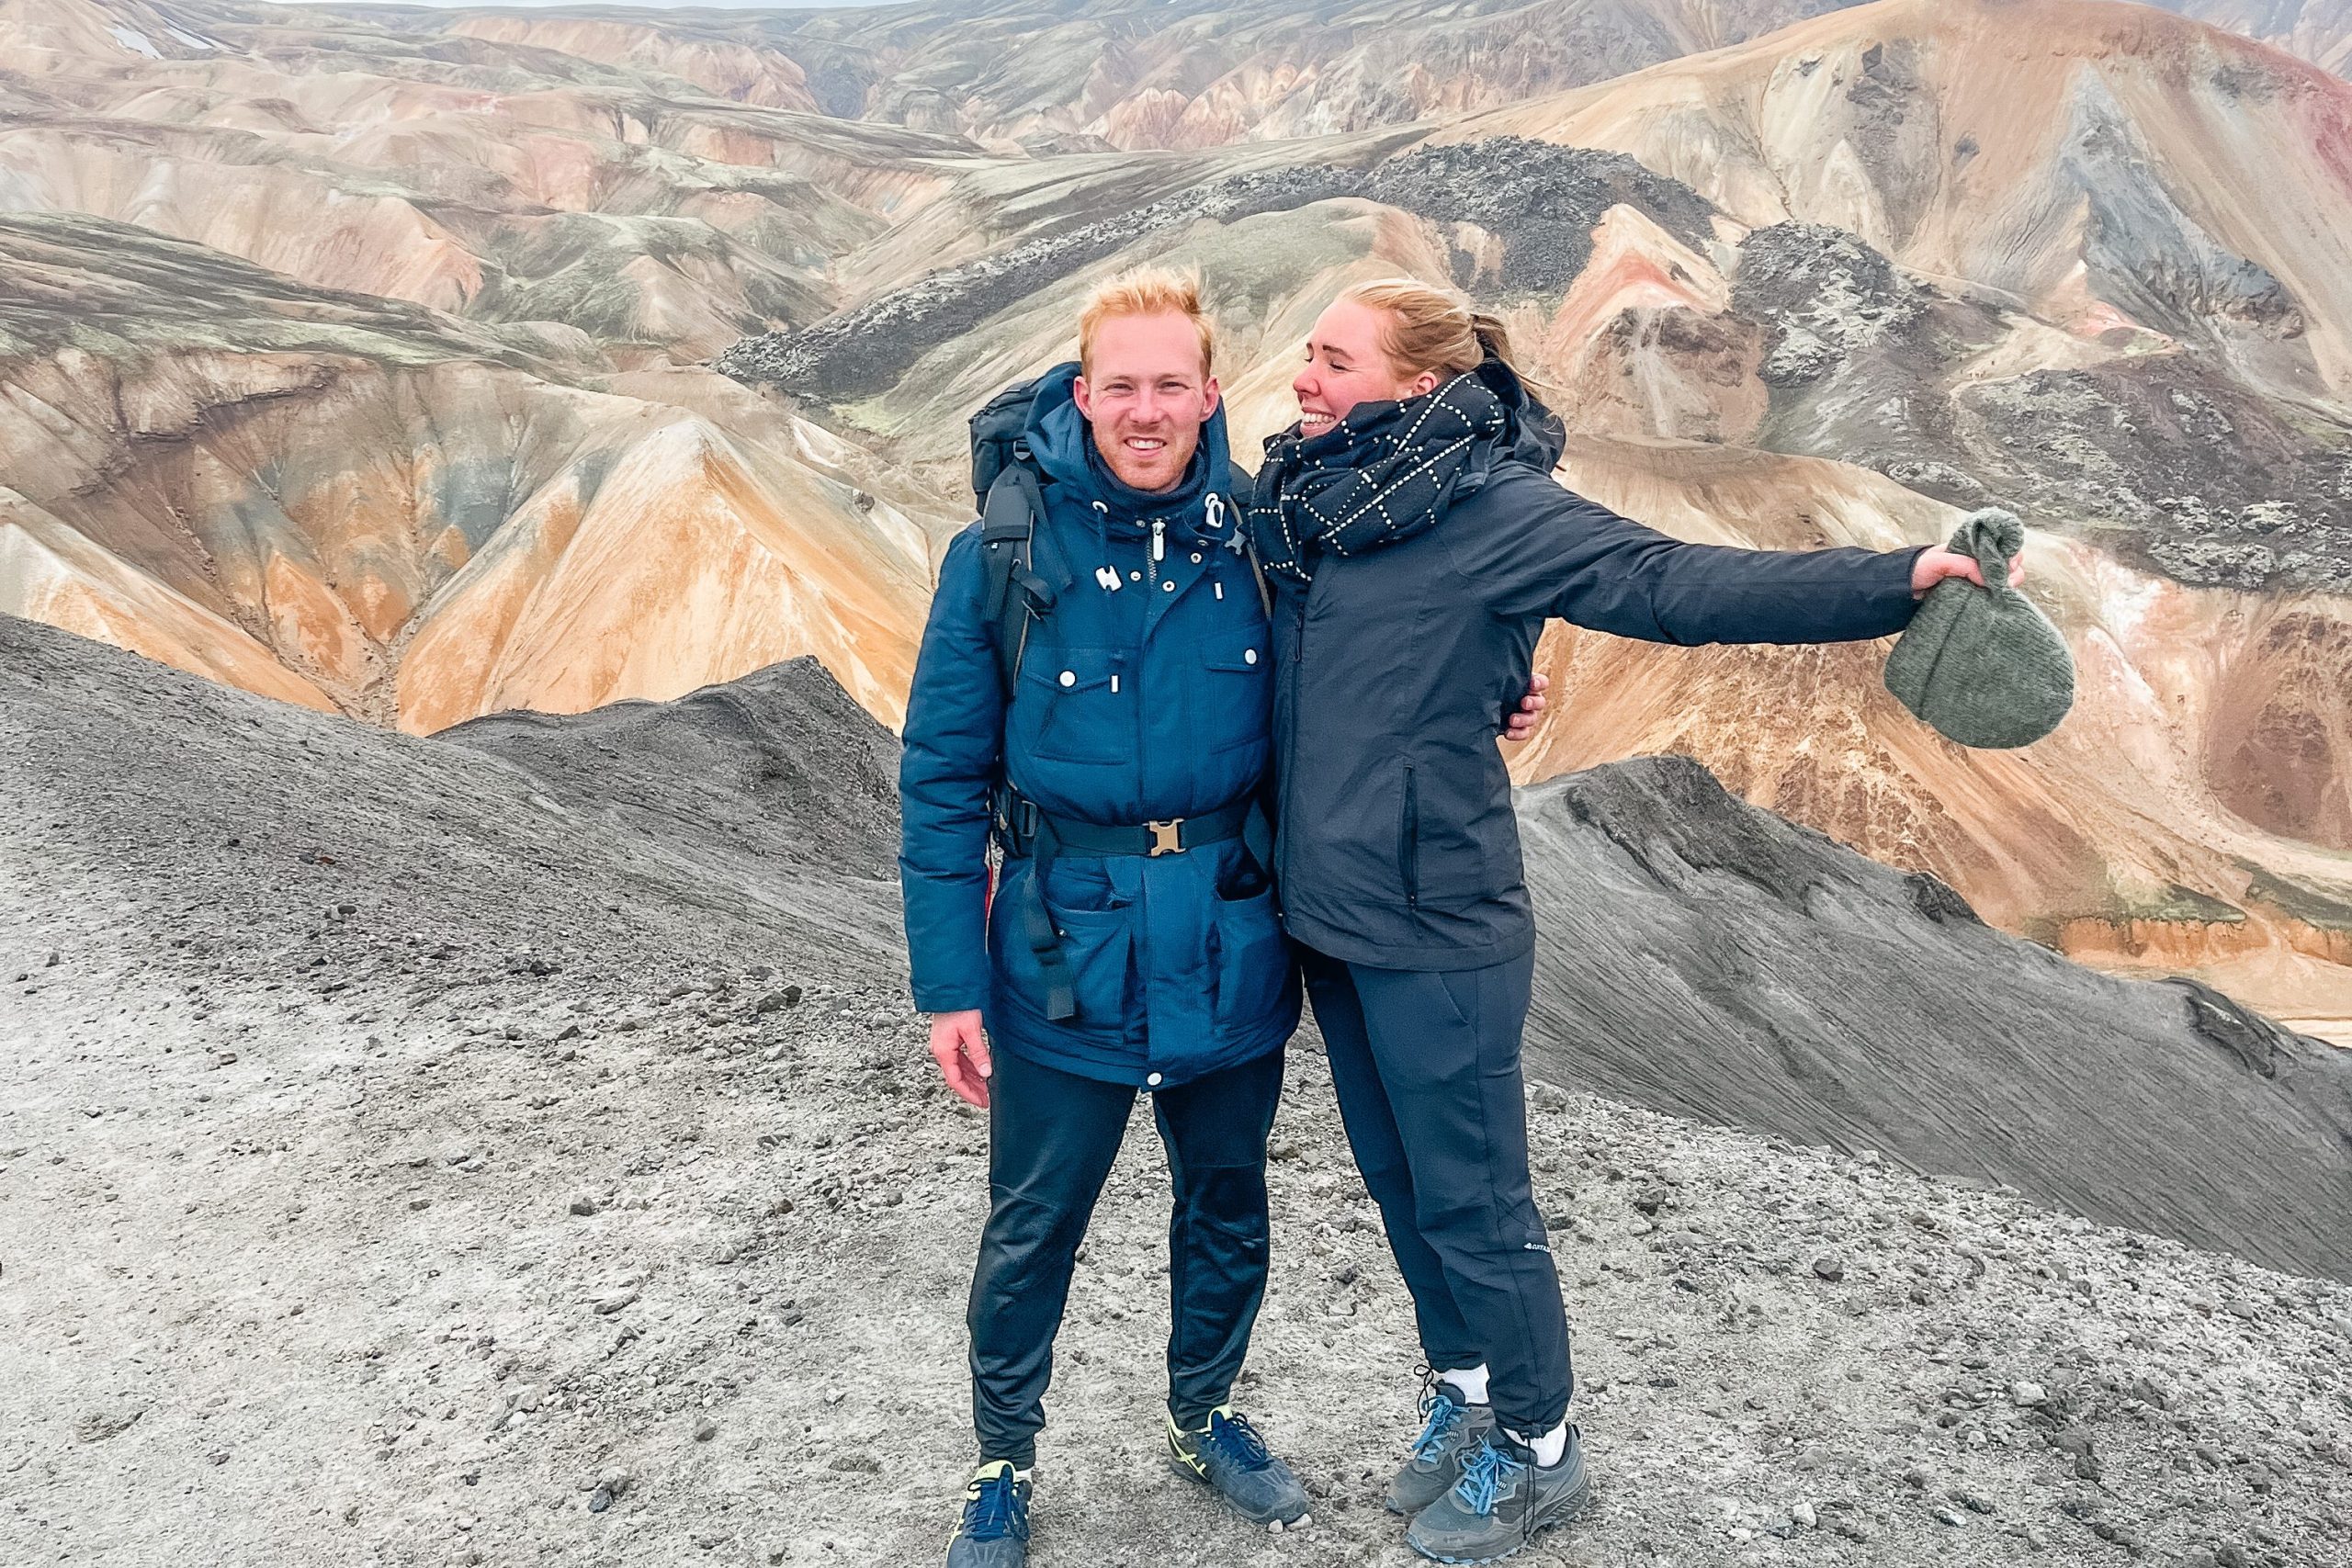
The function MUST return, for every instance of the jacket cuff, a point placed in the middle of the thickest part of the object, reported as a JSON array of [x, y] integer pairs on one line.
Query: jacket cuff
[[950, 998], [1894, 599]]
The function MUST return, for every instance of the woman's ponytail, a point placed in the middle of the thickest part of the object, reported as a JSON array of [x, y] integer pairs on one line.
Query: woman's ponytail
[[1493, 337], [1432, 329]]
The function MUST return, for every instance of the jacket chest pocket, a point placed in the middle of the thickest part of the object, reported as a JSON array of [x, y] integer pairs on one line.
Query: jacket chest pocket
[[1077, 704], [1234, 693]]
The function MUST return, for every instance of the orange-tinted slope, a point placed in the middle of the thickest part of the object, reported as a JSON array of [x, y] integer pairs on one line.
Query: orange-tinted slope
[[368, 504]]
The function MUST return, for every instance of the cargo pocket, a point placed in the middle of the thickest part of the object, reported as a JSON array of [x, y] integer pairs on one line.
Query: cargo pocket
[[1095, 944], [1093, 923], [1252, 961]]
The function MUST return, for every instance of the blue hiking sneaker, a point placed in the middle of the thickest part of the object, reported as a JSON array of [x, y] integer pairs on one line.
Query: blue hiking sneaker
[[1226, 1455], [1502, 1499], [994, 1531], [1451, 1429]]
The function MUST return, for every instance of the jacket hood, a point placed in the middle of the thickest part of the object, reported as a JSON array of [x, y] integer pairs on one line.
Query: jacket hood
[[1063, 443], [1533, 434]]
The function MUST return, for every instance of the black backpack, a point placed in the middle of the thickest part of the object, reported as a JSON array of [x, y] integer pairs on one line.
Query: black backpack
[[1006, 484], [1010, 491]]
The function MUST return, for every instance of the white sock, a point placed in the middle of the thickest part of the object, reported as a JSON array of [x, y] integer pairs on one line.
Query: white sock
[[1550, 1448], [1470, 1381]]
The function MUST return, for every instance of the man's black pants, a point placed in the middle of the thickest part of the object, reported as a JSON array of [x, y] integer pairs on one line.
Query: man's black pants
[[1052, 1136], [1426, 1068]]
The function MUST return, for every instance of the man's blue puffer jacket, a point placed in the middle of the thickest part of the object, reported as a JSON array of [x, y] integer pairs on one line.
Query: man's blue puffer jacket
[[1149, 701]]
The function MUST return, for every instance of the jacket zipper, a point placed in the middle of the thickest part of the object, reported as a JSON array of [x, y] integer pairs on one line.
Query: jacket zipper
[[1408, 843], [1152, 558], [1141, 918], [1151, 567]]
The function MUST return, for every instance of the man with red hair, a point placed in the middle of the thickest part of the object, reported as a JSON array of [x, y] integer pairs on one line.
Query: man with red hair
[[1092, 704]]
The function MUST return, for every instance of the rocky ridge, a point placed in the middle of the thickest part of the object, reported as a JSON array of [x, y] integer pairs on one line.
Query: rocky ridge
[[781, 765], [1539, 201], [1708, 958], [2007, 273], [1868, 365]]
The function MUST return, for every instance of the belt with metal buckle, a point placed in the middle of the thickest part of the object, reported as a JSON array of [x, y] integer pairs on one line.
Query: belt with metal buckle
[[1161, 836]]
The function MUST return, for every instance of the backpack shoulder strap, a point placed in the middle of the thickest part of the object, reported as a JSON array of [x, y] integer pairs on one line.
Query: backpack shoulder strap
[[1241, 485], [1016, 593]]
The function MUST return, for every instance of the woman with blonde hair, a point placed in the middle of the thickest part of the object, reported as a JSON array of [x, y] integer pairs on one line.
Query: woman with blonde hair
[[1418, 543]]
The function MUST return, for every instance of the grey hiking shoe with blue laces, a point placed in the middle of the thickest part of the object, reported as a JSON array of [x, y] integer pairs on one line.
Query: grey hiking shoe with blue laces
[[1227, 1455], [994, 1530], [1502, 1499], [1452, 1428]]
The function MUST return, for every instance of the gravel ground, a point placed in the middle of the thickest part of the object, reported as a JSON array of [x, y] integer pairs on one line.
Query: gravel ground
[[428, 1177]]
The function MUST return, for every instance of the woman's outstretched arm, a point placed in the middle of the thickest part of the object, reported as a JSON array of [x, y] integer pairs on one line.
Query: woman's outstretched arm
[[1544, 549]]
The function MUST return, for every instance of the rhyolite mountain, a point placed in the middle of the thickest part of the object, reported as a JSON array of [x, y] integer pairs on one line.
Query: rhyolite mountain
[[361, 503], [1052, 74], [422, 363]]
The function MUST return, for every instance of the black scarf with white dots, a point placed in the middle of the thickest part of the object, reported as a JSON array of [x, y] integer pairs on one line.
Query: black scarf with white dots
[[1382, 474]]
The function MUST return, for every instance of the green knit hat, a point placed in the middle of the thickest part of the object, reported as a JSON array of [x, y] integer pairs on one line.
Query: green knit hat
[[1983, 665]]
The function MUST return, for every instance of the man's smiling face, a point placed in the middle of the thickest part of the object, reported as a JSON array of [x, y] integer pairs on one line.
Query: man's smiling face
[[1146, 392]]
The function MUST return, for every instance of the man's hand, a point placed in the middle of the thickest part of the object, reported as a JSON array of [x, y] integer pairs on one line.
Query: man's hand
[[962, 1054], [1933, 566], [1530, 706]]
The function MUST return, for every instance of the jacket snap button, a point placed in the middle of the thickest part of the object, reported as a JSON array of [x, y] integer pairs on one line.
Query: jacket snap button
[[1250, 655], [1153, 1081], [1069, 677]]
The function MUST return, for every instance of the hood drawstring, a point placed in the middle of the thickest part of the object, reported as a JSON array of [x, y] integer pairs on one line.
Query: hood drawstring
[[1106, 574], [1212, 510]]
